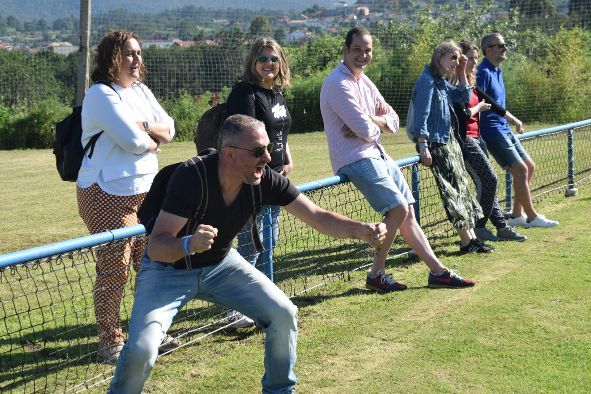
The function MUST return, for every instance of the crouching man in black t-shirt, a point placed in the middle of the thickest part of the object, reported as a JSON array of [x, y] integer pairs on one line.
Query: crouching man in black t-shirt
[[178, 267]]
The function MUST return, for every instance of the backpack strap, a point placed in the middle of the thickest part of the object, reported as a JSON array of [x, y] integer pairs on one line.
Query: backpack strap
[[199, 213], [257, 203]]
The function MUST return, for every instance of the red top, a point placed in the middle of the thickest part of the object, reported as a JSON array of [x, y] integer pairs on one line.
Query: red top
[[472, 121]]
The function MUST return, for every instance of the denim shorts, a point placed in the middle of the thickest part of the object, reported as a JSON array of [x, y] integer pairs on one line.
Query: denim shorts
[[507, 150], [380, 181]]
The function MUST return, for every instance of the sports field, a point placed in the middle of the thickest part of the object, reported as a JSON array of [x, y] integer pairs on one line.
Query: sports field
[[525, 327]]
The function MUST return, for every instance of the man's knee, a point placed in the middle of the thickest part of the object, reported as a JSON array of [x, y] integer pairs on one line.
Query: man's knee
[[142, 352], [397, 214], [518, 170]]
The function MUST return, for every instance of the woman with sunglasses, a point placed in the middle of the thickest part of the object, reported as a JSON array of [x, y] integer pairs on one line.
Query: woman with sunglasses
[[475, 154], [259, 94], [432, 124]]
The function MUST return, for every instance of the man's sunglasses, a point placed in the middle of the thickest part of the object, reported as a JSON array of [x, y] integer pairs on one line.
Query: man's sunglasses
[[265, 59], [259, 151], [500, 46]]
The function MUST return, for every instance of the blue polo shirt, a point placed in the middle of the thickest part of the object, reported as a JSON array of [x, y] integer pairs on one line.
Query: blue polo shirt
[[489, 78]]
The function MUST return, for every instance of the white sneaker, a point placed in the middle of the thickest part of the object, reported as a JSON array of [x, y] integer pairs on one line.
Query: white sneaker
[[520, 221], [541, 221], [238, 320]]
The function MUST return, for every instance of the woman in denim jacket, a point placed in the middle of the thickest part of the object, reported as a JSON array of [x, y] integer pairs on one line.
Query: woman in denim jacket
[[433, 126]]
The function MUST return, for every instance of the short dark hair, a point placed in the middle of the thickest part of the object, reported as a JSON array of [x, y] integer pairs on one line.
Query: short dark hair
[[108, 56], [234, 126], [357, 30]]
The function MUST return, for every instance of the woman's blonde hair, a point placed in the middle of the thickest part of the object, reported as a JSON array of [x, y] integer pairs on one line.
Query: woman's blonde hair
[[107, 63], [446, 47], [250, 73]]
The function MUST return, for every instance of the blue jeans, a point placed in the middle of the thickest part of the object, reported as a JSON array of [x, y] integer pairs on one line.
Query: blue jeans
[[507, 150], [268, 225], [163, 290]]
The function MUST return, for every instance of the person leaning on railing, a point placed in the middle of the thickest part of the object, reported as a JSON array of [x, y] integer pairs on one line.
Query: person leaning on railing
[[432, 125], [113, 183], [500, 140], [475, 154], [355, 116]]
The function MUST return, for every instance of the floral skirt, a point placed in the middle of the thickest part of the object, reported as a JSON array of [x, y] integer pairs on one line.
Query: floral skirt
[[461, 207]]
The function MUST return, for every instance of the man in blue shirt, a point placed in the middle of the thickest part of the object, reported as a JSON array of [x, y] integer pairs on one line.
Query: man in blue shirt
[[500, 140]]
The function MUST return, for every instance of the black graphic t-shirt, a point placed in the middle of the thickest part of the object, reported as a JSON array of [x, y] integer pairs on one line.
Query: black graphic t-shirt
[[268, 106]]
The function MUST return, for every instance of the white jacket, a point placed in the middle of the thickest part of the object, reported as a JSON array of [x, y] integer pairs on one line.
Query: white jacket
[[119, 164]]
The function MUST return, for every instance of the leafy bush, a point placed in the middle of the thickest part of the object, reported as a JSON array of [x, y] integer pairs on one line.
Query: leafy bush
[[34, 127], [186, 110]]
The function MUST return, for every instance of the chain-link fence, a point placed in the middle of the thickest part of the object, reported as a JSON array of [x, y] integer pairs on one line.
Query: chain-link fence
[[48, 339]]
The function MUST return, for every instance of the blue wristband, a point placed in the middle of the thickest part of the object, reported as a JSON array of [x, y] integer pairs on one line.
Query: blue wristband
[[186, 245]]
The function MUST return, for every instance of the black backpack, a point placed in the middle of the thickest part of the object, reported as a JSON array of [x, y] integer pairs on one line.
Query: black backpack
[[208, 127], [152, 204], [67, 146]]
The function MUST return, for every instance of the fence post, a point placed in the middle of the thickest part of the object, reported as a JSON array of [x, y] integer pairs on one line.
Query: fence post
[[267, 242], [416, 193], [571, 189], [508, 191], [83, 55]]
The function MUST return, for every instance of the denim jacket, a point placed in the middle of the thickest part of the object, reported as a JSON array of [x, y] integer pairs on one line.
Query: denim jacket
[[430, 109]]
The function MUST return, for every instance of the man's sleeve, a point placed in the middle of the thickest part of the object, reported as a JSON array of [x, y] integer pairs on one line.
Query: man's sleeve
[[184, 192], [392, 119], [277, 189], [483, 80], [344, 103]]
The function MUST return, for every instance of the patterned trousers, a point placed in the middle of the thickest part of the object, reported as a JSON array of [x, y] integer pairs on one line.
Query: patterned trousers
[[485, 179], [102, 211], [448, 168]]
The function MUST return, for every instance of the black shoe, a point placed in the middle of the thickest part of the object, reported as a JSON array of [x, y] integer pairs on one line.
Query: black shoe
[[475, 246]]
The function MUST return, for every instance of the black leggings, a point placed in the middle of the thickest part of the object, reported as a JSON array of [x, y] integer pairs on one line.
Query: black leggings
[[480, 169]]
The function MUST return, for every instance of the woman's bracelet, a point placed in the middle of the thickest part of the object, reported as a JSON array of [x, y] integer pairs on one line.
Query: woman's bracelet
[[186, 240], [423, 146]]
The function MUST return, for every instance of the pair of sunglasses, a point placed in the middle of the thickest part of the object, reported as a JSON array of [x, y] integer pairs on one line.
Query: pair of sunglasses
[[265, 59], [258, 151], [500, 46]]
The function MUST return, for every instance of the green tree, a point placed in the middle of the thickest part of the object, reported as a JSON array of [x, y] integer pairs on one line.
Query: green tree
[[260, 26]]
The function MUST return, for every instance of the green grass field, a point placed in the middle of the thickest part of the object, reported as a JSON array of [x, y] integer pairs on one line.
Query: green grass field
[[525, 327]]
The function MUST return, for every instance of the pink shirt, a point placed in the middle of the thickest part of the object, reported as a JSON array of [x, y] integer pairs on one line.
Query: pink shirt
[[348, 102]]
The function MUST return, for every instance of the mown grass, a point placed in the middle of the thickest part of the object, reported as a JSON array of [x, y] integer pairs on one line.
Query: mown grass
[[525, 326]]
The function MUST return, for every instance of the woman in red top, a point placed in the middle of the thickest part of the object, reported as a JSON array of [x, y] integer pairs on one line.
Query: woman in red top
[[475, 154]]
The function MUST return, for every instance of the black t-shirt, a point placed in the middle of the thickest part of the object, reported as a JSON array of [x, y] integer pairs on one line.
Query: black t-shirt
[[185, 192], [268, 106]]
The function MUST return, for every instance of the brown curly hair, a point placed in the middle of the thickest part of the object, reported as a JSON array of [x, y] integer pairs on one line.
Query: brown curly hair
[[108, 56]]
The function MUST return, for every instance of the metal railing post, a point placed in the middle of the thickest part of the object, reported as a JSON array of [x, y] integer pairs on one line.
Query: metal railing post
[[571, 189], [268, 242], [416, 192], [508, 191]]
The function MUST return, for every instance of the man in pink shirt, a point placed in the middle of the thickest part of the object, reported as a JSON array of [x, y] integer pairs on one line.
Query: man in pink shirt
[[355, 115]]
